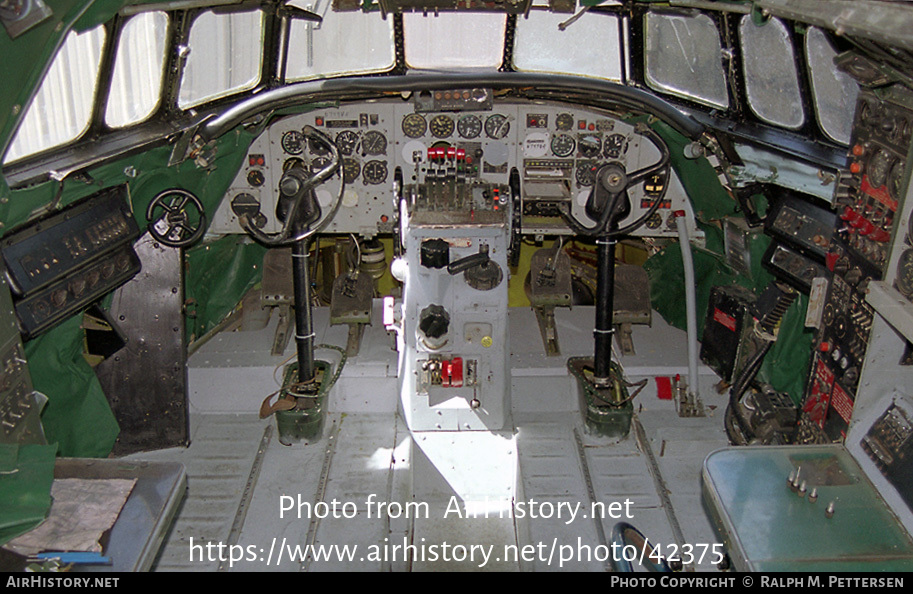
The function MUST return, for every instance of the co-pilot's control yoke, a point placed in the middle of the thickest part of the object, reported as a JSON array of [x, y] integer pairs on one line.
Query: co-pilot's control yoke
[[601, 380]]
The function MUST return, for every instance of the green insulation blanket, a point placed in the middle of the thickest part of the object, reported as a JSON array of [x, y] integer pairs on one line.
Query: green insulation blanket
[[786, 365], [26, 475], [218, 274], [77, 416]]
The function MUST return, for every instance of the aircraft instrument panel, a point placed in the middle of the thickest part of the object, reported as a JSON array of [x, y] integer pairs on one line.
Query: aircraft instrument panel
[[554, 148]]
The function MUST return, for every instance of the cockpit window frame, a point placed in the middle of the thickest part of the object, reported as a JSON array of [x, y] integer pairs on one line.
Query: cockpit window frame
[[230, 90], [99, 88], [665, 87], [808, 142], [618, 23], [158, 85]]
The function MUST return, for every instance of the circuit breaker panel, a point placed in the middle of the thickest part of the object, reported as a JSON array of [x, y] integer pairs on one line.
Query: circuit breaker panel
[[868, 198], [454, 351]]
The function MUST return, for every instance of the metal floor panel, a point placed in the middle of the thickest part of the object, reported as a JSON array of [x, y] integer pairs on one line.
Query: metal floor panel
[[218, 463], [366, 452], [360, 468], [551, 471]]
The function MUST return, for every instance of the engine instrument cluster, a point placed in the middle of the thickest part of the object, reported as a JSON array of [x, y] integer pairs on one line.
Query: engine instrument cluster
[[554, 148]]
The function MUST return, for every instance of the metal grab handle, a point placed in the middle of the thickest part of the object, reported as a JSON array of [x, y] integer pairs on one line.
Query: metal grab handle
[[464, 264], [285, 235]]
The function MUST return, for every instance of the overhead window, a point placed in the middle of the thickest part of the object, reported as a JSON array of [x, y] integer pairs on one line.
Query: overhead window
[[454, 40], [226, 52], [588, 47], [771, 81], [136, 84], [835, 92], [62, 108], [683, 57], [344, 43]]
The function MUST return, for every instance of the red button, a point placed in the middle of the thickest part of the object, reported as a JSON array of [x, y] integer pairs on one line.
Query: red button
[[855, 167], [858, 150]]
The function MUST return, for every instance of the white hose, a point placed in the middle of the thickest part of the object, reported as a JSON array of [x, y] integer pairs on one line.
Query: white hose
[[690, 301]]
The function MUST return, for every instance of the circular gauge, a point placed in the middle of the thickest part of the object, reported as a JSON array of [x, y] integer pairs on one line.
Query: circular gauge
[[293, 142], [904, 280], [292, 162], [895, 180], [375, 172], [589, 145], [346, 141], [563, 145], [315, 147], [879, 166], [829, 314], [256, 178], [469, 126], [374, 143], [586, 174], [655, 221], [441, 126], [497, 126], [350, 170], [318, 164], [615, 146], [414, 125], [564, 122]]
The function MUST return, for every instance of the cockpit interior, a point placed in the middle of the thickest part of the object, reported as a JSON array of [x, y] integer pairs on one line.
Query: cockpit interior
[[456, 285]]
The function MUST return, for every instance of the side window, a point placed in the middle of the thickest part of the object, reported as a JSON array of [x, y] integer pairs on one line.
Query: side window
[[835, 92], [683, 57], [61, 109], [226, 52], [771, 81], [136, 84]]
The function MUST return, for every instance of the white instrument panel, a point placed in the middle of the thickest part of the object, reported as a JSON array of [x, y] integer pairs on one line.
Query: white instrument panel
[[554, 147]]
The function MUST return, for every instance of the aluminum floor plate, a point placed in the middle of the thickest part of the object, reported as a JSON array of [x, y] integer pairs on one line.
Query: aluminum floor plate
[[316, 507]]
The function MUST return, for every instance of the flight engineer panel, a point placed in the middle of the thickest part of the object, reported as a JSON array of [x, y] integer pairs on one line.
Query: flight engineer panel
[[553, 148]]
